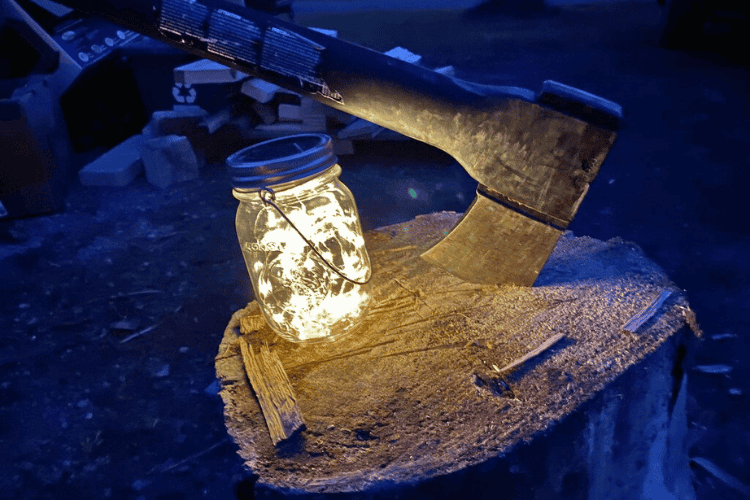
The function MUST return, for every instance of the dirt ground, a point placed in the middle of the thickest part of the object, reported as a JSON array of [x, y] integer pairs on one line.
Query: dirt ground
[[113, 309]]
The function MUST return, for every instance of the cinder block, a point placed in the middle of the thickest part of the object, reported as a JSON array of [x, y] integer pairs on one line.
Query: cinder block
[[117, 167], [169, 160], [260, 90]]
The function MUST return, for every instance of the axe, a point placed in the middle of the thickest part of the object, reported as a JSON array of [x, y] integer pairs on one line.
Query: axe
[[533, 154]]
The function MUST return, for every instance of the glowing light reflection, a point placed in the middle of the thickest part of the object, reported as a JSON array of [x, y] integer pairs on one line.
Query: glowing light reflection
[[300, 294]]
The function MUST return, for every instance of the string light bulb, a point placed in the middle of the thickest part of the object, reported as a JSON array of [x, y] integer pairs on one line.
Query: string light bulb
[[301, 238]]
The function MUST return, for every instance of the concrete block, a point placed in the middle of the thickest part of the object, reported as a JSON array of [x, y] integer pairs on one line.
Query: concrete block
[[260, 90], [169, 160], [117, 167]]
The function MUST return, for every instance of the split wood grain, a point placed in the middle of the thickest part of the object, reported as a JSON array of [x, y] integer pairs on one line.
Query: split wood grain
[[273, 390], [646, 313], [534, 353]]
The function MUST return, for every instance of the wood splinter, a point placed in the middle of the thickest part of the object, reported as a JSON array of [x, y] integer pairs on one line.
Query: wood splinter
[[647, 313], [531, 354], [273, 390]]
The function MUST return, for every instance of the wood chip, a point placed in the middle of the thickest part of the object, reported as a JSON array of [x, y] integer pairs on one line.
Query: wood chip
[[692, 322], [647, 313], [138, 334], [273, 390], [723, 336], [252, 323]]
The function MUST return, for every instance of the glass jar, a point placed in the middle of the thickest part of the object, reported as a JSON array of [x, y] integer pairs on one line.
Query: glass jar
[[301, 238]]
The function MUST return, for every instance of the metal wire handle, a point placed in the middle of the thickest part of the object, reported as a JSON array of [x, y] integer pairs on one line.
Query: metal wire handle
[[268, 197]]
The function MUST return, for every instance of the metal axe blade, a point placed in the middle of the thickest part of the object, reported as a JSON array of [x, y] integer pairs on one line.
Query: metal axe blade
[[533, 177], [534, 155], [495, 244]]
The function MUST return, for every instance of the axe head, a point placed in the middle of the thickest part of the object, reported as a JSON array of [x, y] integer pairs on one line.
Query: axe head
[[534, 160], [495, 244]]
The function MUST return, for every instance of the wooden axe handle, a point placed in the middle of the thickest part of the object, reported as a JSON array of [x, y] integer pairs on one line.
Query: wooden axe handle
[[534, 152], [534, 155]]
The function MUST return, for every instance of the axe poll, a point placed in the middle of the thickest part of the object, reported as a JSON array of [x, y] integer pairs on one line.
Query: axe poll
[[533, 154]]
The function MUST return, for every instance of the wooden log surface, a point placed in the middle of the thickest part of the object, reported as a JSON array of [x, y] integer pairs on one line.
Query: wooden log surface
[[443, 375]]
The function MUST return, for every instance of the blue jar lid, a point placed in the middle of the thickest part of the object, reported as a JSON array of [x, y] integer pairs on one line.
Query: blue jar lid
[[280, 161]]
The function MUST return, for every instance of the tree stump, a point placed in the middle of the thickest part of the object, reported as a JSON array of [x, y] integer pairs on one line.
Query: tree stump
[[450, 388]]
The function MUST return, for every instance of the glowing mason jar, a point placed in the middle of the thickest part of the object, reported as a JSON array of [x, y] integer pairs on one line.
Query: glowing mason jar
[[301, 237]]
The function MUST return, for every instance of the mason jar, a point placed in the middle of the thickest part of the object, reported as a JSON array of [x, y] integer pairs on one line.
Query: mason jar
[[301, 237]]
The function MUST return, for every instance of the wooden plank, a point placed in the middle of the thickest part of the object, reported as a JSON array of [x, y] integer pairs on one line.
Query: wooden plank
[[206, 71], [359, 129], [260, 90], [273, 390], [117, 167]]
